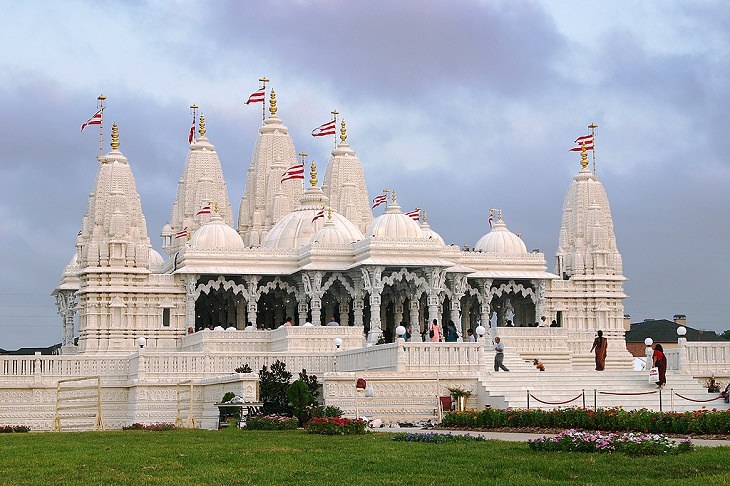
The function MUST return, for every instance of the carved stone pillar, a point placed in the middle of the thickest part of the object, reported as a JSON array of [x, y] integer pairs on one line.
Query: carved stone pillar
[[191, 282], [302, 309], [357, 311], [413, 311], [252, 283], [375, 324], [344, 310], [66, 307]]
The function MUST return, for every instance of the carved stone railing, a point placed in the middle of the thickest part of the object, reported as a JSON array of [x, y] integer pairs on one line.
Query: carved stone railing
[[49, 369], [700, 358], [533, 340], [382, 357]]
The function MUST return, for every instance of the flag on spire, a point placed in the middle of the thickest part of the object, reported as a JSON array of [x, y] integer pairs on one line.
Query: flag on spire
[[491, 218], [586, 140], [206, 209], [94, 120], [293, 172], [379, 199], [319, 214], [328, 128], [192, 131], [182, 233], [415, 215], [257, 96]]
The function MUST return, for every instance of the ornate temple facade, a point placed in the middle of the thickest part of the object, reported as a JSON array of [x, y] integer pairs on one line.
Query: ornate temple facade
[[144, 324]]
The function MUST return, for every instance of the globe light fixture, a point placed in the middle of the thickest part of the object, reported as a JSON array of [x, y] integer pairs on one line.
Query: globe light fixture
[[338, 342], [480, 330], [648, 341], [400, 331], [681, 331], [141, 341]]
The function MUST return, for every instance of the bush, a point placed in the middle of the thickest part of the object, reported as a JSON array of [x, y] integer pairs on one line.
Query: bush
[[329, 411], [300, 400], [9, 429], [608, 419], [335, 426], [271, 422], [273, 386], [244, 369], [434, 438]]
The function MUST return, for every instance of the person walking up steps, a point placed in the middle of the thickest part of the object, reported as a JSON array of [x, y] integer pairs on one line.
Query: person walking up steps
[[499, 355]]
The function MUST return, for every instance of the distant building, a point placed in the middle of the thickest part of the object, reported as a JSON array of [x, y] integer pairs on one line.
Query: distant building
[[665, 332]]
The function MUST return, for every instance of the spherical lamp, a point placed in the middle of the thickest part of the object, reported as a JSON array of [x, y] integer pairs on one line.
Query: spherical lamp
[[681, 331], [141, 341], [648, 341], [400, 331], [338, 342], [480, 330]]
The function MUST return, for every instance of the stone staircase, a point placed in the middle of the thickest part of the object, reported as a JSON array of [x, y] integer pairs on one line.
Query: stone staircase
[[629, 390]]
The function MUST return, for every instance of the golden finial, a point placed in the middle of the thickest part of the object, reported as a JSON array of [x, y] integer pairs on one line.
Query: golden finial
[[101, 98], [392, 196], [583, 156], [115, 137], [329, 214], [201, 130], [343, 132], [214, 206], [272, 103], [423, 216], [499, 215], [313, 174]]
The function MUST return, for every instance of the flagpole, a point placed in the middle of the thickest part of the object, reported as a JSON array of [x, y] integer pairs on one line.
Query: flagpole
[[264, 80], [593, 127], [194, 109], [334, 115], [303, 155], [100, 106]]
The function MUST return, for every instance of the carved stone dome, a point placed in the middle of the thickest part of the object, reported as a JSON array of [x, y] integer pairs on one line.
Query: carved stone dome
[[501, 240], [216, 235], [394, 224], [337, 232]]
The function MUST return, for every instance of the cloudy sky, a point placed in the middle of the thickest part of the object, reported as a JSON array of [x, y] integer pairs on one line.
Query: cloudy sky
[[458, 105]]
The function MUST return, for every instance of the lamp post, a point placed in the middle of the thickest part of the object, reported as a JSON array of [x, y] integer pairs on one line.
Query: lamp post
[[648, 352], [682, 345], [480, 330], [338, 343]]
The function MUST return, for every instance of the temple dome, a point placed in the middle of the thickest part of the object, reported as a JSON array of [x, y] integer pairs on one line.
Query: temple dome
[[337, 232], [156, 261], [501, 240], [394, 224], [216, 235], [430, 234]]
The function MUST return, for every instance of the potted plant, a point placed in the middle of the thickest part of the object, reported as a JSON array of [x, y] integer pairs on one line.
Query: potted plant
[[460, 396], [712, 385]]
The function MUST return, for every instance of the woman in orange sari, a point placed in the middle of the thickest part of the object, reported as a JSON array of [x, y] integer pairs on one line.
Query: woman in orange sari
[[600, 344]]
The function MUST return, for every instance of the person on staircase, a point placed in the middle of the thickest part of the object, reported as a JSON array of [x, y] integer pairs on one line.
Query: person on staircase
[[499, 355], [660, 361], [600, 344]]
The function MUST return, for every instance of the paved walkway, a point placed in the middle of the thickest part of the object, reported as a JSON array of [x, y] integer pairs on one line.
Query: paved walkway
[[519, 436]]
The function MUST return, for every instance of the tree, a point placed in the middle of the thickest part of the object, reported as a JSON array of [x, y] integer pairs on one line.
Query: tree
[[726, 335], [300, 400], [272, 386]]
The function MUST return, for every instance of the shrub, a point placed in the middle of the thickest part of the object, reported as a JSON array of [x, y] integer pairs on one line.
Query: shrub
[[329, 411], [156, 427], [635, 444], [244, 369], [9, 429], [271, 422], [312, 383], [300, 400], [273, 386], [335, 426]]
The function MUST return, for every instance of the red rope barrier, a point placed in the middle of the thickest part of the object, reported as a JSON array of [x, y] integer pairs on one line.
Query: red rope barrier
[[556, 403], [699, 401], [627, 393]]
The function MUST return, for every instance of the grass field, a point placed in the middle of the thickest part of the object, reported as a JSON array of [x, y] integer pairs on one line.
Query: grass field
[[198, 457]]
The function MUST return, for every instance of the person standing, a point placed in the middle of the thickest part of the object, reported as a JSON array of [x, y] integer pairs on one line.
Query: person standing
[[333, 322], [660, 361], [470, 336], [600, 344], [451, 333], [434, 332], [499, 355]]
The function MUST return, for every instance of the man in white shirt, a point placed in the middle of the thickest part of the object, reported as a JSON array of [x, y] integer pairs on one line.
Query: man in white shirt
[[499, 355]]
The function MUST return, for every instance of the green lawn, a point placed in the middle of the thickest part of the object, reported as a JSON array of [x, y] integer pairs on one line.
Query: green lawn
[[227, 457]]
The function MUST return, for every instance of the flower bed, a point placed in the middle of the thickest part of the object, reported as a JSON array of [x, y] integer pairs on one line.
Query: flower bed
[[153, 427], [271, 422], [435, 438], [701, 422], [335, 426], [635, 444]]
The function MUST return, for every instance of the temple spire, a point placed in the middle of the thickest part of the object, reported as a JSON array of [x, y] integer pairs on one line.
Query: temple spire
[[115, 137]]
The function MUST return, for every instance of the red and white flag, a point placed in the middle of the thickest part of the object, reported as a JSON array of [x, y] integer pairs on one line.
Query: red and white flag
[[379, 199], [94, 120], [182, 233], [257, 96], [293, 172], [192, 131], [320, 214], [586, 140], [415, 215], [491, 219], [328, 128], [204, 210]]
